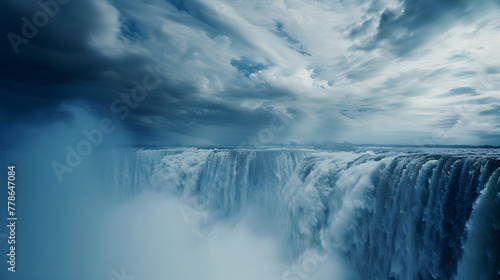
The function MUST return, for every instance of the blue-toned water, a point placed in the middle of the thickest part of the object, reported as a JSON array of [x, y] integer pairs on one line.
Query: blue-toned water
[[376, 213]]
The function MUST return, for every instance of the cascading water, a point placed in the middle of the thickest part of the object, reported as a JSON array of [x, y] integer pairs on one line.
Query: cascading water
[[390, 215]]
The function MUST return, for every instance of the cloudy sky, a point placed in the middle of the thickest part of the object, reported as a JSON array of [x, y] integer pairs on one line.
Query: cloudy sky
[[378, 71]]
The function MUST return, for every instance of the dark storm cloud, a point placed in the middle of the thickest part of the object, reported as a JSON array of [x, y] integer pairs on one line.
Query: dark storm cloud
[[228, 68], [204, 119], [419, 22], [58, 63], [59, 51]]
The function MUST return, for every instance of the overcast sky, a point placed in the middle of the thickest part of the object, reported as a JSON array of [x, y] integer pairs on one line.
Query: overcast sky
[[381, 71]]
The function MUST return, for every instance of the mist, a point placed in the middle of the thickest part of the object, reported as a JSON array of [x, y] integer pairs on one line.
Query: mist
[[95, 233]]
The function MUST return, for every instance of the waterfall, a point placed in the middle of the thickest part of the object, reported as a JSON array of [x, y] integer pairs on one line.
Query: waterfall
[[391, 215]]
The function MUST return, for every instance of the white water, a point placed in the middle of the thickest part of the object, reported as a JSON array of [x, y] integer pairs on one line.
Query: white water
[[266, 214], [293, 214]]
